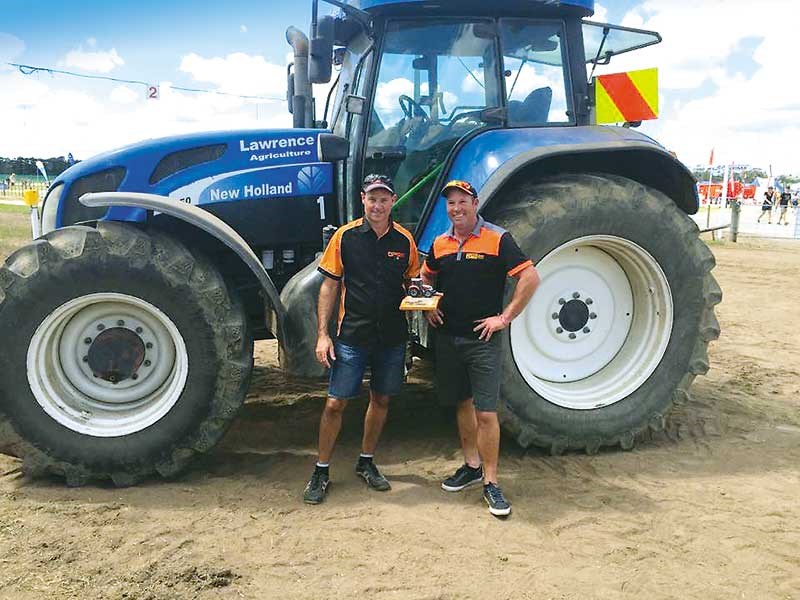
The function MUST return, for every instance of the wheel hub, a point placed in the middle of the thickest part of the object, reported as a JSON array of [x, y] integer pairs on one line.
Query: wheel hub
[[107, 364], [116, 354], [574, 315]]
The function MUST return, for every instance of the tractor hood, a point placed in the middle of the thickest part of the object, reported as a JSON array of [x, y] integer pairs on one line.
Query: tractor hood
[[204, 168]]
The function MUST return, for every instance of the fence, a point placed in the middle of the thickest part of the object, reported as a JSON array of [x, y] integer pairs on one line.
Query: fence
[[748, 221], [13, 191]]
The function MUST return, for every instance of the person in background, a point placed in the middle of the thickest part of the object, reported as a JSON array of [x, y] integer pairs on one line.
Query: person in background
[[783, 202], [767, 204]]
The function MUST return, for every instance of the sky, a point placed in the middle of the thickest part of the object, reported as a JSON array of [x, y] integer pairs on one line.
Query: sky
[[728, 73]]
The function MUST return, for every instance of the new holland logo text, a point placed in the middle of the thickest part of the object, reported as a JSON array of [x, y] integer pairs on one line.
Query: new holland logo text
[[251, 191]]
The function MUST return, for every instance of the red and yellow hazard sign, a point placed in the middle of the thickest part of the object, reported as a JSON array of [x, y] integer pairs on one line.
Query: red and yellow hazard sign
[[626, 97]]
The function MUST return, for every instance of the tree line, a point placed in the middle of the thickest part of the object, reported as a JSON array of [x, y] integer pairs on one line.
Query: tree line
[[745, 176], [27, 166]]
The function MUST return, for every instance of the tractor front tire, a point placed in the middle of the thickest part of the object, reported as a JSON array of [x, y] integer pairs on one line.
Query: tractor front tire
[[620, 324], [124, 354]]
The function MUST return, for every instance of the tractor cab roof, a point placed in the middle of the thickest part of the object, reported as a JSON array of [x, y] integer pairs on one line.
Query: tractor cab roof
[[523, 7]]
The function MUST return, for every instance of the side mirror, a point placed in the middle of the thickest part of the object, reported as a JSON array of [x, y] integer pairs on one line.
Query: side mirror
[[355, 104], [320, 53], [290, 88]]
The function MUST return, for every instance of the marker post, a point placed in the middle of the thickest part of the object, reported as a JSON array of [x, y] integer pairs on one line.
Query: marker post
[[31, 198]]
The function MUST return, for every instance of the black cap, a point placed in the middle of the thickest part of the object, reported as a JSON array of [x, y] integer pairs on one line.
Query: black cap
[[374, 181]]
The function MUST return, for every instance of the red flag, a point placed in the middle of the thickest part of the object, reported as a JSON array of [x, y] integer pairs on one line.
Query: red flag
[[711, 159]]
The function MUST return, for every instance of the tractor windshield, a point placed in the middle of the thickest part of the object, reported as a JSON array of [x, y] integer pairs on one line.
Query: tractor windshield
[[434, 80]]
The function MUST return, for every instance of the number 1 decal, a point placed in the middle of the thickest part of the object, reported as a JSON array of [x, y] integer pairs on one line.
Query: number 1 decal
[[321, 202]]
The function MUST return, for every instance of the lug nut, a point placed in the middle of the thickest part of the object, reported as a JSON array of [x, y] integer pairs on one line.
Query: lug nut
[[85, 359], [139, 330], [134, 376], [120, 323], [589, 301], [559, 330], [87, 340], [148, 345], [147, 363], [572, 336], [100, 327], [592, 316], [576, 295], [586, 330], [555, 316], [562, 301]]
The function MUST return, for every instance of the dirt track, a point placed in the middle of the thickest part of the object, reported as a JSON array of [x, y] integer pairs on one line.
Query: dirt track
[[709, 509]]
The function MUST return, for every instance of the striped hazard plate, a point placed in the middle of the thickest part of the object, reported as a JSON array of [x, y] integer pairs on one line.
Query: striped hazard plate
[[626, 97]]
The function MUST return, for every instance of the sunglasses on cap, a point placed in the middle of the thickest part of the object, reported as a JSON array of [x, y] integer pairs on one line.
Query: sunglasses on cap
[[456, 184], [374, 181]]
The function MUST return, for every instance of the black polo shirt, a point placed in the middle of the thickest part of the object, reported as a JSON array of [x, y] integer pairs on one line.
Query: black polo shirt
[[372, 270], [472, 275]]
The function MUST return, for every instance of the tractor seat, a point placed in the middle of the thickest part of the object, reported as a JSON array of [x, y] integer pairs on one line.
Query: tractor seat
[[534, 110]]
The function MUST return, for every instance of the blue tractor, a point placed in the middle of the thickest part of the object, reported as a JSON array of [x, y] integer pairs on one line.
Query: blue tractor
[[128, 326]]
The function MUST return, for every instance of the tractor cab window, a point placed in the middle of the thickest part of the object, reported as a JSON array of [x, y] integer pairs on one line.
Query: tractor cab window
[[533, 66], [435, 78]]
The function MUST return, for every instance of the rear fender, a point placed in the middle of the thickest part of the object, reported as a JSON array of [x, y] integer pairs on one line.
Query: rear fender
[[642, 162], [207, 222]]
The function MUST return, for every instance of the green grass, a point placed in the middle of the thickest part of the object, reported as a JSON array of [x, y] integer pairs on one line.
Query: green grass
[[15, 228]]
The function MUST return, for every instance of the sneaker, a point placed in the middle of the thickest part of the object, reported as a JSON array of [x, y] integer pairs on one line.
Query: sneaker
[[464, 477], [498, 505], [369, 473], [316, 488]]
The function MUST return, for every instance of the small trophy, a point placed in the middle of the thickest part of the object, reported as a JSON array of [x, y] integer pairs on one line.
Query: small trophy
[[420, 296]]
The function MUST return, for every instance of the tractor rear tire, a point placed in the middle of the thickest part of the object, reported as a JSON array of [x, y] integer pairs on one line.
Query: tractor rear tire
[[620, 324], [124, 354]]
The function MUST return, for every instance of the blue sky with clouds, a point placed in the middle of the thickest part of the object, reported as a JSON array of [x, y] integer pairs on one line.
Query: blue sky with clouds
[[725, 71]]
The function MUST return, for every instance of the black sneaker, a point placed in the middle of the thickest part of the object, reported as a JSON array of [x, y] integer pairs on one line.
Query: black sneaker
[[316, 488], [369, 472], [464, 477], [498, 505]]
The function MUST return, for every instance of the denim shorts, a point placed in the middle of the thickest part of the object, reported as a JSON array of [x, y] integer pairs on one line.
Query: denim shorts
[[387, 365], [469, 368]]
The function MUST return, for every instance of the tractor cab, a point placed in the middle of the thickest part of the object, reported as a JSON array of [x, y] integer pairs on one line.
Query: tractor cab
[[417, 79]]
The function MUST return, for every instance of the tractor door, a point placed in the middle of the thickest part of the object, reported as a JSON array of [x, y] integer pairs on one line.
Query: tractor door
[[434, 79]]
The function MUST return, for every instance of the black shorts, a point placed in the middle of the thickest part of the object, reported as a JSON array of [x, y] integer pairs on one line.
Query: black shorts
[[469, 368], [766, 207]]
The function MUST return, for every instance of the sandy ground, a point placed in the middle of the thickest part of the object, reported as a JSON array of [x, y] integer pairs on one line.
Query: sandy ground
[[709, 510]]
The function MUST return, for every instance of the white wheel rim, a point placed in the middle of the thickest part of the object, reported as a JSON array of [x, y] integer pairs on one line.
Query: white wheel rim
[[618, 294], [65, 383]]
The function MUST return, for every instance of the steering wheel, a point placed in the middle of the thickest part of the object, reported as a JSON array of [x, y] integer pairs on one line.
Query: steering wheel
[[411, 108]]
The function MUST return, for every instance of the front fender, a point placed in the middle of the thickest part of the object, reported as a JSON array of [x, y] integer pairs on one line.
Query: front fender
[[207, 222]]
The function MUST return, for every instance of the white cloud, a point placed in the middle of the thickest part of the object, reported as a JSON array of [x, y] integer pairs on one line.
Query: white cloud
[[49, 116], [97, 62], [237, 73], [11, 47], [122, 94], [600, 14]]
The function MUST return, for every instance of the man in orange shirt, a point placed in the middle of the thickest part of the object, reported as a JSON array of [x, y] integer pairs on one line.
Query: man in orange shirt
[[366, 265], [470, 263]]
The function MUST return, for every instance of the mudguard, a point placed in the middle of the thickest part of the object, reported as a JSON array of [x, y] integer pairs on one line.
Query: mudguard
[[492, 158], [207, 222]]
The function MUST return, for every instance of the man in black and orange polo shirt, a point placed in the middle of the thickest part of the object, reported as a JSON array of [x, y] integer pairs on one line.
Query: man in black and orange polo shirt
[[366, 265], [470, 263]]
